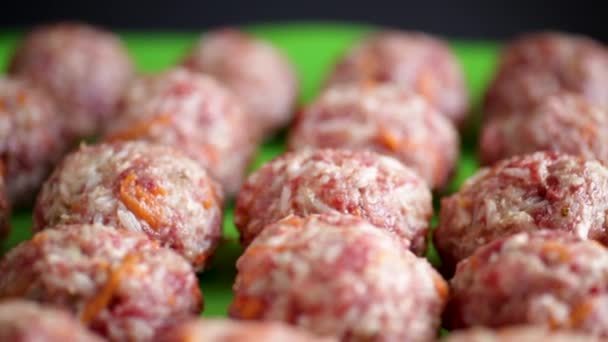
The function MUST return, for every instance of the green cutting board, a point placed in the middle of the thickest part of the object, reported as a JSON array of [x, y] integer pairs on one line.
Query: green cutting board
[[312, 48]]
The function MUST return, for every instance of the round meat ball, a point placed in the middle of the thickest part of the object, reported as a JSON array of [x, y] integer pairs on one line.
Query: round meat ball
[[517, 90], [215, 330], [31, 139], [384, 119], [537, 67], [547, 278], [376, 188], [517, 334], [5, 212], [258, 73], [414, 61], [545, 48], [337, 275], [564, 123], [524, 193], [85, 69], [26, 321], [193, 113], [137, 187], [120, 284]]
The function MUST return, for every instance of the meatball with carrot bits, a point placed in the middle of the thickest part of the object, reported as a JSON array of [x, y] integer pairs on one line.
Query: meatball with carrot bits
[[194, 114], [339, 276], [25, 321], [384, 119], [120, 284], [546, 278], [413, 61], [140, 187]]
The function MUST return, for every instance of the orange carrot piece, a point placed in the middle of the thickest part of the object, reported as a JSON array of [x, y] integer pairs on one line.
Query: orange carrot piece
[[388, 140], [104, 297], [441, 286], [580, 313], [141, 201], [140, 128], [248, 307], [558, 249]]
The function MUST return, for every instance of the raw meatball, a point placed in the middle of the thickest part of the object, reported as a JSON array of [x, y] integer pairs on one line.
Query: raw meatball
[[548, 49], [31, 139], [365, 184], [26, 321], [254, 70], [85, 68], [337, 275], [384, 119], [517, 334], [524, 193], [199, 330], [565, 123], [548, 278], [195, 114], [414, 61], [5, 213], [136, 187], [119, 283], [543, 65]]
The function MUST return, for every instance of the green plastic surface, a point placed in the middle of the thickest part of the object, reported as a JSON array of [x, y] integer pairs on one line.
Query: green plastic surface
[[313, 48]]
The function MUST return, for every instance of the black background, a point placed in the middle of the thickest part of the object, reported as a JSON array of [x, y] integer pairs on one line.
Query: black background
[[459, 19]]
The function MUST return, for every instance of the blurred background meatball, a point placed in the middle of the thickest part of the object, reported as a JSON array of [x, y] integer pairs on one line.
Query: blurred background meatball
[[83, 67], [542, 64], [524, 333], [562, 123], [384, 119], [194, 114], [413, 61], [257, 72], [218, 330], [32, 139], [26, 321]]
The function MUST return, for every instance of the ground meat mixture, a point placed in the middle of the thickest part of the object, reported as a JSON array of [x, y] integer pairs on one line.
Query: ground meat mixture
[[414, 61], [31, 139], [524, 193], [384, 119], [254, 70], [548, 278], [564, 123], [24, 321], [543, 64], [120, 284], [193, 113], [518, 334], [215, 330], [546, 48], [337, 275], [137, 187], [85, 68], [365, 184]]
